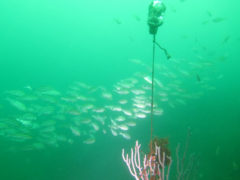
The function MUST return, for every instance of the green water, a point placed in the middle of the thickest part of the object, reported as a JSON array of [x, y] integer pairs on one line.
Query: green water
[[48, 46]]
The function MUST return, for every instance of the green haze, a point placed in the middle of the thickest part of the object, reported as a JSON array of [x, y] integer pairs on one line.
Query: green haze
[[60, 53]]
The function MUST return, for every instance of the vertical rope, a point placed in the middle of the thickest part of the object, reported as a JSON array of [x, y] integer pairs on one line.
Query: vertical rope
[[152, 96]]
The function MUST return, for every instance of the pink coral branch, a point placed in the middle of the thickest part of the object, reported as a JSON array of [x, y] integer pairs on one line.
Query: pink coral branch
[[152, 166]]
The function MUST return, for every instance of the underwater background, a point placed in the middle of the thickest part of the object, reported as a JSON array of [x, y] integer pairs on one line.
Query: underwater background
[[75, 87]]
